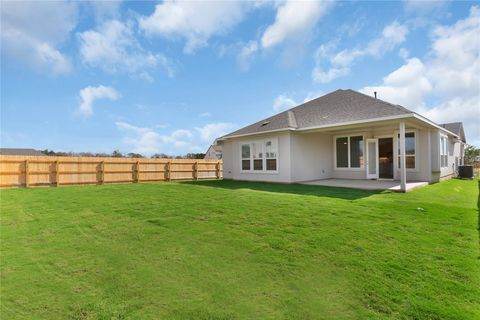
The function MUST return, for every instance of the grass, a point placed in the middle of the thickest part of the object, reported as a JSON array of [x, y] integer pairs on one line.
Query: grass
[[239, 250]]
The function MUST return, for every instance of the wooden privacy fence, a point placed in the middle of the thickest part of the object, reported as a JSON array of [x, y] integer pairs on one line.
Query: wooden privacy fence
[[29, 171]]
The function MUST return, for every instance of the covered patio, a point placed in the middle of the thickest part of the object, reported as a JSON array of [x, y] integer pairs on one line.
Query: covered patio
[[393, 185], [384, 156]]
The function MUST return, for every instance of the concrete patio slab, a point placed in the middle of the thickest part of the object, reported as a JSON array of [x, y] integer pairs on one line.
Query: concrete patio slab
[[392, 185]]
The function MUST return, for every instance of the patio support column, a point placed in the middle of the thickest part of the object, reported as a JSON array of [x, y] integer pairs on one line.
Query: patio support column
[[403, 170]]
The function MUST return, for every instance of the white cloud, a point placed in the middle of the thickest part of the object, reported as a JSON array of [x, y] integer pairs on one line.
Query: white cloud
[[143, 140], [408, 85], [293, 19], [403, 53], [205, 115], [90, 94], [322, 76], [211, 131], [282, 103], [466, 110], [423, 13], [449, 76], [32, 31], [313, 95], [194, 21], [114, 48], [147, 141], [392, 35], [455, 68], [127, 126], [330, 65], [245, 56]]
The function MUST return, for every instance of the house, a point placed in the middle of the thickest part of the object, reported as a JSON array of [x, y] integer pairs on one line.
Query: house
[[20, 152], [344, 135], [214, 152]]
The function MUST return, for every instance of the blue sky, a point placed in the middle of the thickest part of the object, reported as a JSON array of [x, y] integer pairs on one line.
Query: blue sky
[[169, 77]]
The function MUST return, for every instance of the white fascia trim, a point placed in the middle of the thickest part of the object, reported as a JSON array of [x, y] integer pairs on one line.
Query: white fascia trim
[[256, 133], [402, 116]]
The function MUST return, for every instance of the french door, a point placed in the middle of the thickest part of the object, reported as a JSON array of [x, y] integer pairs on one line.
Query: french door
[[372, 159]]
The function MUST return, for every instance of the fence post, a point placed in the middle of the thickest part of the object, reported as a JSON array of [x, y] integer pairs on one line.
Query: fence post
[[26, 174], [137, 171], [218, 169], [167, 171], [102, 172], [195, 170], [57, 166]]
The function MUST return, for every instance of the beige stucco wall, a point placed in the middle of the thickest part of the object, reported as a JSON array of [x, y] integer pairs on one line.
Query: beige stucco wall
[[232, 166], [311, 155], [435, 150], [422, 171], [455, 150], [211, 154]]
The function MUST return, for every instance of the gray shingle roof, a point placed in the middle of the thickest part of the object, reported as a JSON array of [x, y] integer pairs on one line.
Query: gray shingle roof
[[455, 127], [20, 152], [336, 107]]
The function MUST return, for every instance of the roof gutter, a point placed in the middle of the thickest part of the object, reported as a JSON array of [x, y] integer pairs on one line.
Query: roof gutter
[[402, 116], [254, 133]]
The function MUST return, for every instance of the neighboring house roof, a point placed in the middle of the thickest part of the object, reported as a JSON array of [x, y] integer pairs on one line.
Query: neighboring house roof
[[335, 108], [455, 127], [216, 150], [20, 152]]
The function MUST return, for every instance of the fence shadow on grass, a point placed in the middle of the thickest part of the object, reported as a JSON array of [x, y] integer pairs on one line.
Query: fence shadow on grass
[[300, 189], [478, 209]]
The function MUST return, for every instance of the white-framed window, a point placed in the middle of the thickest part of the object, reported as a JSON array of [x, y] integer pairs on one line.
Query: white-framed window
[[260, 156], [271, 155], [349, 152], [443, 151], [245, 157], [257, 148], [410, 149]]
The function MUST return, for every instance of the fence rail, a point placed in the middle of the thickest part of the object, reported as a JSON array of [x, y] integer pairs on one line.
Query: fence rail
[[32, 171]]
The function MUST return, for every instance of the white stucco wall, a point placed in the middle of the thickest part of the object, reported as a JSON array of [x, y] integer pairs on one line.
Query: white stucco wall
[[232, 163]]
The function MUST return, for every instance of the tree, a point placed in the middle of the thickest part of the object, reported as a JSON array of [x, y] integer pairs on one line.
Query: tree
[[117, 154], [472, 154], [161, 155], [195, 156], [49, 152], [134, 155]]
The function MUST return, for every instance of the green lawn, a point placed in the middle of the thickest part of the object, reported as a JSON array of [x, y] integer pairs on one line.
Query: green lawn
[[238, 250]]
